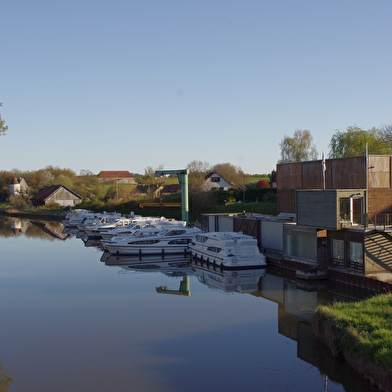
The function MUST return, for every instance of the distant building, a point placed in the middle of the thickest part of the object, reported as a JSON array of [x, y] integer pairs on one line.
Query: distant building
[[215, 181], [59, 194], [171, 188], [116, 177], [18, 187]]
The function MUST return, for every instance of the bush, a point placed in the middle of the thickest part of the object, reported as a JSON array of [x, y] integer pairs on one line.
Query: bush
[[19, 202]]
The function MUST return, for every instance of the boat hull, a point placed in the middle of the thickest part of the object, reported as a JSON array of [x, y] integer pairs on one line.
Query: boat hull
[[227, 263], [146, 250]]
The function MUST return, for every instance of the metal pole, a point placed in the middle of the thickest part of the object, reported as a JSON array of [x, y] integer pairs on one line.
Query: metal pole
[[183, 180]]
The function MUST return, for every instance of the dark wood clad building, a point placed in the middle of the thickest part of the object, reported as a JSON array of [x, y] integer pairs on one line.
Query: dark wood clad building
[[343, 211]]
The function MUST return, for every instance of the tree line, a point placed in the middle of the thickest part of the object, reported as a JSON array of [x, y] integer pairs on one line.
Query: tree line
[[88, 186], [355, 141]]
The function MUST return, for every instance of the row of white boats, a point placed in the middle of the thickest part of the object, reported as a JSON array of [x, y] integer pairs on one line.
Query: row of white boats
[[146, 236]]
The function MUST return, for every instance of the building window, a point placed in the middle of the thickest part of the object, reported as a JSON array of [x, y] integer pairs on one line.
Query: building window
[[345, 208], [351, 210], [215, 179], [338, 252], [356, 255]]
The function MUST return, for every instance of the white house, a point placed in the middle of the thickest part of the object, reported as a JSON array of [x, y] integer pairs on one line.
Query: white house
[[18, 187], [215, 181]]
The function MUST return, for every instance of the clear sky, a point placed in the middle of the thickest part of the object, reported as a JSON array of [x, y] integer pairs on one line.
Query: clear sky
[[125, 84]]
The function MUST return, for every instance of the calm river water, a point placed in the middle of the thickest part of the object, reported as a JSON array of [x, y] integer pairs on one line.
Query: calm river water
[[73, 319]]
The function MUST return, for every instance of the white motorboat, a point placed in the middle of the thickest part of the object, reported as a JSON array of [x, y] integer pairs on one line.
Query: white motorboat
[[97, 230], [227, 250], [137, 231], [97, 219], [128, 231], [74, 217], [170, 240]]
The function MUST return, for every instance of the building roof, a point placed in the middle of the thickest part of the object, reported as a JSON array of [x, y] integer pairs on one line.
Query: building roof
[[171, 188], [45, 193], [209, 175], [115, 174]]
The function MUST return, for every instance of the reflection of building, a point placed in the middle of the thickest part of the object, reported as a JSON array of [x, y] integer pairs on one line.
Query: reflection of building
[[19, 226], [296, 300]]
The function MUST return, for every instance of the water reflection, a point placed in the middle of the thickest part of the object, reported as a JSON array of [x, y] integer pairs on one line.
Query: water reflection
[[228, 281], [293, 299], [10, 227], [296, 300]]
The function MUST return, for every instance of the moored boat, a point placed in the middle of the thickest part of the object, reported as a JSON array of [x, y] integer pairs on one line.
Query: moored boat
[[170, 240], [228, 250]]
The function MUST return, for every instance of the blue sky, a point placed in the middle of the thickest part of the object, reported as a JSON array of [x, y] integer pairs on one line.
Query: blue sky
[[125, 85]]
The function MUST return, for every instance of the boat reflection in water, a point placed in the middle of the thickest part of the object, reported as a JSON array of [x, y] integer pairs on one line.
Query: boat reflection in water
[[173, 266], [229, 281]]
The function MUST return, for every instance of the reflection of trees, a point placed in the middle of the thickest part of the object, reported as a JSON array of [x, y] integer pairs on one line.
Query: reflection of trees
[[46, 230], [5, 379]]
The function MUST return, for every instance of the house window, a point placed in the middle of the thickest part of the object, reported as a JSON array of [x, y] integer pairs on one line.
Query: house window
[[338, 252], [356, 255], [215, 179]]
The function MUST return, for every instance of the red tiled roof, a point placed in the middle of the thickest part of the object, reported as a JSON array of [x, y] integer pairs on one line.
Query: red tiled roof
[[115, 174]]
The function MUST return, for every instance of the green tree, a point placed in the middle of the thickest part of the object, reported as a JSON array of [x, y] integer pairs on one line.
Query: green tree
[[298, 148], [353, 142], [3, 127], [61, 179]]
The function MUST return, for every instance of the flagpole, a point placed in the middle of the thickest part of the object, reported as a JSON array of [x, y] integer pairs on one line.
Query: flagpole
[[323, 169]]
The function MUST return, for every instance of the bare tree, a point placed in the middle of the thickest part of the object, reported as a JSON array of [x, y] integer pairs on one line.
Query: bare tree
[[386, 131], [197, 173]]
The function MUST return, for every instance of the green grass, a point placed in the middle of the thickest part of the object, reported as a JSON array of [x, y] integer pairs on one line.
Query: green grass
[[365, 328]]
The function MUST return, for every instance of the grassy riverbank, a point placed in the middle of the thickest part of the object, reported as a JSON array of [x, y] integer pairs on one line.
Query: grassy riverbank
[[361, 333], [125, 208]]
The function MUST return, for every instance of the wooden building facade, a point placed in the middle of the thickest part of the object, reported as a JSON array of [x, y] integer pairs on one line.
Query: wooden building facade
[[371, 175], [347, 203]]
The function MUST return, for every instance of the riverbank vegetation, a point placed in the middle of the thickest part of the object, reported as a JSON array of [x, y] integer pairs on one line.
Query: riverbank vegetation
[[254, 192], [360, 333]]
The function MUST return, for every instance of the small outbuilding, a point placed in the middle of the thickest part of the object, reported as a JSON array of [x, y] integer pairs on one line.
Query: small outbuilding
[[18, 187], [59, 194]]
